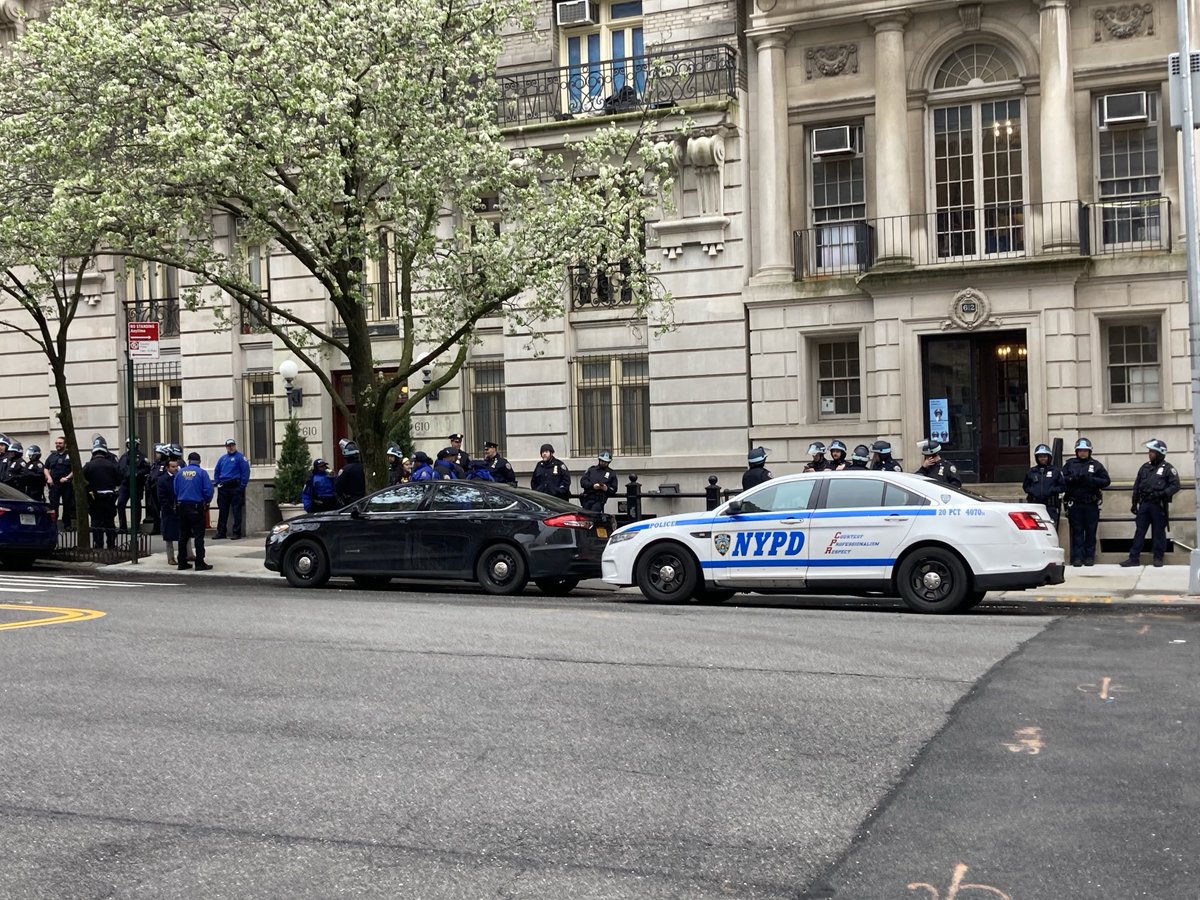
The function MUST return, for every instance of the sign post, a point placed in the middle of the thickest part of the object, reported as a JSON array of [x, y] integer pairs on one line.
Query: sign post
[[141, 343]]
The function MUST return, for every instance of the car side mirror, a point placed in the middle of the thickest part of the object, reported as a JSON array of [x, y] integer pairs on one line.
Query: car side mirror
[[356, 512], [734, 508]]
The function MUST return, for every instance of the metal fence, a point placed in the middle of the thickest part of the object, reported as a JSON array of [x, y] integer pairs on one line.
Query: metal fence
[[69, 550]]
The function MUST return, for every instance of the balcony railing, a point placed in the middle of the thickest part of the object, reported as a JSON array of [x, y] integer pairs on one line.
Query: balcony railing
[[666, 77], [164, 311], [991, 233], [595, 288]]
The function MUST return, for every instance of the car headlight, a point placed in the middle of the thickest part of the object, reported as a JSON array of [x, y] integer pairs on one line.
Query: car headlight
[[280, 528], [622, 536]]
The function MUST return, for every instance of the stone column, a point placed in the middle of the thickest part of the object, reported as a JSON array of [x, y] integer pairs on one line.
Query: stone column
[[774, 221], [1060, 177], [893, 234]]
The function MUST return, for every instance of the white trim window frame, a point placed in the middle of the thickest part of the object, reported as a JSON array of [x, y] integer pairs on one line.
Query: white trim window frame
[[606, 63], [1129, 177], [838, 204], [612, 404], [1133, 362], [836, 362], [259, 396]]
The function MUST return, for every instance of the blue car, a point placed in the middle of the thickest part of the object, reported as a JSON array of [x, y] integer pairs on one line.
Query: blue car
[[27, 528]]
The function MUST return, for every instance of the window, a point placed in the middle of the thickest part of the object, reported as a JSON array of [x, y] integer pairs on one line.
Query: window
[[613, 405], [838, 377], [839, 205], [469, 495], [605, 282], [978, 160], [487, 411], [158, 403], [1130, 169], [152, 289], [1133, 363], [784, 497], [401, 498], [380, 288], [254, 318], [606, 62], [259, 392], [849, 493]]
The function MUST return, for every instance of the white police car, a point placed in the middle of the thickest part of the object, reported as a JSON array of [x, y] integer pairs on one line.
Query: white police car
[[938, 548]]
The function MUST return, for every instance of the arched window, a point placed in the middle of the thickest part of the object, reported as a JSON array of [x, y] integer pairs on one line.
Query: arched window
[[978, 157]]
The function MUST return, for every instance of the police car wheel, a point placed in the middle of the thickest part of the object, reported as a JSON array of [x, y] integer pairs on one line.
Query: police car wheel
[[372, 582], [933, 580], [704, 594], [973, 599], [305, 565], [501, 570], [667, 573], [556, 587]]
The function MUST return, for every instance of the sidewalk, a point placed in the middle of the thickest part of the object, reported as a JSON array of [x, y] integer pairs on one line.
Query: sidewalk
[[1105, 583]]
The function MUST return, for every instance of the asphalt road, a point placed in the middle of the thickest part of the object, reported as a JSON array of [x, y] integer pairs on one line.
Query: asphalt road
[[230, 739]]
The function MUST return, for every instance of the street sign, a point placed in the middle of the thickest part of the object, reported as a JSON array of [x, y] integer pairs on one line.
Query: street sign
[[143, 340]]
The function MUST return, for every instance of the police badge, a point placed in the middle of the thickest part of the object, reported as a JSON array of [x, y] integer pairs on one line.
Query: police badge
[[721, 542]]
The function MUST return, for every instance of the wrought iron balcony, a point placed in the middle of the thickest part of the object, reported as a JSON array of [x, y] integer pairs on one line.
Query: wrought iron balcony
[[670, 76], [596, 288], [163, 310], [845, 248], [1127, 226]]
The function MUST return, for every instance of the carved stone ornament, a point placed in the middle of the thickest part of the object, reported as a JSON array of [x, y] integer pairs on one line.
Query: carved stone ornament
[[969, 309], [828, 62], [766, 5], [1124, 21], [971, 16]]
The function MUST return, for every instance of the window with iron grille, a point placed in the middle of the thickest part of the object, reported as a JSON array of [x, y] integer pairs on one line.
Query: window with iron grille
[[604, 282], [259, 392], [612, 412], [158, 404], [1133, 370], [1130, 170], [838, 381], [486, 410], [152, 295]]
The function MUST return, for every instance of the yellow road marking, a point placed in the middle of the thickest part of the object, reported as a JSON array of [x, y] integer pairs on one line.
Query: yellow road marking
[[61, 614]]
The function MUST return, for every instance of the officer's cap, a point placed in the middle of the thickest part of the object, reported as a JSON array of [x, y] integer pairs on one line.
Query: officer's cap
[[757, 455], [929, 448], [490, 445], [455, 437], [319, 464], [447, 453], [193, 457], [605, 456], [546, 447], [1157, 446], [421, 456], [229, 441]]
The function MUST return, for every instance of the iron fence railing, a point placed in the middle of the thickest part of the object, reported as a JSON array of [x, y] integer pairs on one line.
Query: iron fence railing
[[669, 76], [593, 287], [1126, 226], [845, 248], [69, 550]]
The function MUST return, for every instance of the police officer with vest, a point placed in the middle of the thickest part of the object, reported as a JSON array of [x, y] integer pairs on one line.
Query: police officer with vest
[[102, 477], [14, 473], [141, 467], [5, 442], [935, 467], [157, 468], [460, 458], [397, 473], [550, 476], [1044, 483], [58, 477], [1156, 483], [1085, 479], [860, 458], [756, 469], [501, 469], [35, 474], [193, 494], [351, 481], [599, 483], [819, 463], [882, 461]]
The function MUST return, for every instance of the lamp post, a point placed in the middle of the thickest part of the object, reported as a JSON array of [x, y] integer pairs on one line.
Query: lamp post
[[288, 370], [426, 377]]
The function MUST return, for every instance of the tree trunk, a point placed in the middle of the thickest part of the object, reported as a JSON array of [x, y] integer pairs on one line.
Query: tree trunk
[[66, 418]]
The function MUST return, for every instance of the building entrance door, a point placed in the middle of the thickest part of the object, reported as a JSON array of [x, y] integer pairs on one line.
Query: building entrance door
[[976, 393]]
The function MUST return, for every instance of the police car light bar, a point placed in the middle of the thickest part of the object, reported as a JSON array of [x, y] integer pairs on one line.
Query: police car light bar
[[1027, 521]]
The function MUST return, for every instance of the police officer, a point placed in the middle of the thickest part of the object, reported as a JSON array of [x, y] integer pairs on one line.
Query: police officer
[[397, 470], [837, 456], [102, 477], [58, 477], [35, 474], [445, 468], [459, 457], [599, 483], [819, 463], [1044, 483], [193, 494], [157, 468], [1085, 479], [934, 466], [14, 474], [319, 494], [231, 474], [756, 468], [351, 482], [881, 458], [500, 468], [860, 458], [5, 442], [168, 508], [550, 476], [1156, 483], [141, 467], [422, 467]]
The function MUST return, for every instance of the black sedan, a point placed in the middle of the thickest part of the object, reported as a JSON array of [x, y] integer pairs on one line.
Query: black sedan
[[500, 537]]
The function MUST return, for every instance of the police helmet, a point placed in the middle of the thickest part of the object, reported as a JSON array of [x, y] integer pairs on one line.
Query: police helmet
[[605, 456], [1159, 447], [161, 449], [757, 455], [35, 450], [1083, 444], [174, 451], [395, 451], [816, 448], [837, 445], [99, 445], [862, 453], [348, 447], [883, 448], [1042, 450], [929, 448], [5, 440], [16, 447], [130, 443]]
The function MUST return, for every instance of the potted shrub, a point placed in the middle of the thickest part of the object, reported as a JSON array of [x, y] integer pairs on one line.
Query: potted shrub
[[291, 470]]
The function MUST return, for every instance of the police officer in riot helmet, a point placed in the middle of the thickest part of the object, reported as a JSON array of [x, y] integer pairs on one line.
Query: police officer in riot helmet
[[756, 469], [351, 481], [397, 468], [819, 463], [14, 475], [102, 477], [35, 474], [860, 458], [141, 467], [1156, 483], [153, 500], [598, 483], [1044, 483], [881, 458], [1085, 479], [934, 466], [837, 456], [5, 441]]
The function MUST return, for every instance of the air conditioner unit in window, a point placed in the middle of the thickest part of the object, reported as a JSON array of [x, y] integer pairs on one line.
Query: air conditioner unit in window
[[836, 141], [572, 13], [1125, 109]]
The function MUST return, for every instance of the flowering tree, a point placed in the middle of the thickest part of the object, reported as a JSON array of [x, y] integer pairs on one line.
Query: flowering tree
[[343, 133]]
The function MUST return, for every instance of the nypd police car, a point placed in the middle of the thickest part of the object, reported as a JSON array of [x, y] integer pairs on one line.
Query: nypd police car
[[938, 548]]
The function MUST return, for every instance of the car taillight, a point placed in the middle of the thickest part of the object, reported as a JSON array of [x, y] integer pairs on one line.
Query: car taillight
[[568, 520], [4, 509], [1027, 521], [52, 515]]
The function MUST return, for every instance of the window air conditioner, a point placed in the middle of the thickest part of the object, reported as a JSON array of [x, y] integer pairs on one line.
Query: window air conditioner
[[836, 141], [1125, 109], [571, 13]]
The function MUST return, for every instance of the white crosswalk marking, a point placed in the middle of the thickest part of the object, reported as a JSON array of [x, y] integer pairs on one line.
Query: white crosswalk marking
[[12, 582]]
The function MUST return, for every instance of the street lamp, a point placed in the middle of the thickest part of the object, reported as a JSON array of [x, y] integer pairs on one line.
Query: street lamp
[[288, 370], [426, 377]]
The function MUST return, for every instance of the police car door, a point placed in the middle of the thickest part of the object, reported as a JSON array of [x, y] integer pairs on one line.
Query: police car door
[[764, 544], [858, 529]]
